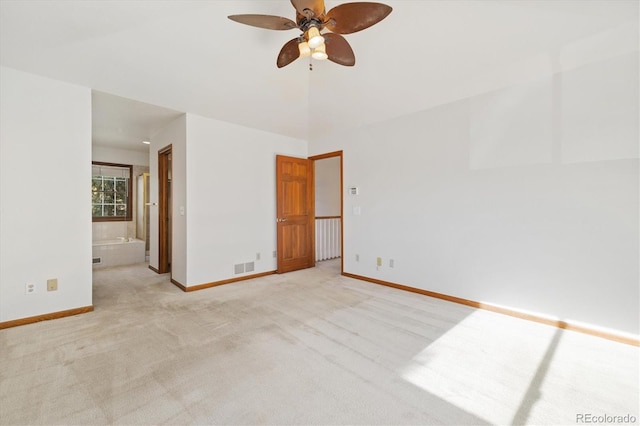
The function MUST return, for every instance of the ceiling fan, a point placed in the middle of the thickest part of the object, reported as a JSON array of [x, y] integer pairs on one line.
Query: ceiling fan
[[312, 19]]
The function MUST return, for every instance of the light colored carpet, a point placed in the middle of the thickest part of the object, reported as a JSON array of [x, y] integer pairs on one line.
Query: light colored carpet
[[308, 347]]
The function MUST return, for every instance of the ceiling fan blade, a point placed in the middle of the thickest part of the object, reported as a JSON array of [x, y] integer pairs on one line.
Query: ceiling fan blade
[[349, 18], [339, 50], [288, 53], [316, 6], [265, 21]]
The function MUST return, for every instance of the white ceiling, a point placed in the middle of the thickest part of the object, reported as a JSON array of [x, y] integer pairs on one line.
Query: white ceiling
[[186, 56]]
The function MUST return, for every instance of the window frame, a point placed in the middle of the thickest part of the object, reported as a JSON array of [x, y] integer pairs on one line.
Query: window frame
[[129, 216]]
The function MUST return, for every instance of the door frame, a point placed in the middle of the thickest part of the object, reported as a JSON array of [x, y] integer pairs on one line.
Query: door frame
[[165, 208], [313, 159]]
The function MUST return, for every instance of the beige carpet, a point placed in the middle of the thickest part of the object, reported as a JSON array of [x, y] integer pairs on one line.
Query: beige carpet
[[308, 347]]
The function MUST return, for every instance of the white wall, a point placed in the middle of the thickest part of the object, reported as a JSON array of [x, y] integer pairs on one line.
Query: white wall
[[173, 134], [45, 170], [231, 197], [526, 197], [327, 181], [121, 156], [224, 181]]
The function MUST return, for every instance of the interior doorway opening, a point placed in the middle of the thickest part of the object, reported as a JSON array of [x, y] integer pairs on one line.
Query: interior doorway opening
[[328, 189], [308, 211], [165, 208]]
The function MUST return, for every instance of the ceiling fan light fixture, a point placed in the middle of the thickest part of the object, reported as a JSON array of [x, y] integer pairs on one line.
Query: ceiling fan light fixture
[[304, 49], [320, 53], [312, 20], [314, 37]]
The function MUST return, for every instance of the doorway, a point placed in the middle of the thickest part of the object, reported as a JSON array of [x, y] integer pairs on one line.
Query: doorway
[[328, 190], [296, 212], [142, 211], [165, 208]]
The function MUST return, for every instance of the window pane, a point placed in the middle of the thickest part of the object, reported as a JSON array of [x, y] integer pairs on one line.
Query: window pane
[[110, 198], [121, 185], [96, 183], [108, 184]]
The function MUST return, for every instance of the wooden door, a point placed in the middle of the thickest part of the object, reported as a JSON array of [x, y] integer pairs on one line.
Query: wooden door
[[165, 207], [295, 213]]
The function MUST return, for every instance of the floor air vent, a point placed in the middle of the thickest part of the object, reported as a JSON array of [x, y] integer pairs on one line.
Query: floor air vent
[[97, 261], [241, 268]]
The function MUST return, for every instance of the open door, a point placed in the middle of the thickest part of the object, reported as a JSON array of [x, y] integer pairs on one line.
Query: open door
[[295, 213]]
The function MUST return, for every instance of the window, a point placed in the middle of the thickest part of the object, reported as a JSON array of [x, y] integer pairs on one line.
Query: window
[[111, 192]]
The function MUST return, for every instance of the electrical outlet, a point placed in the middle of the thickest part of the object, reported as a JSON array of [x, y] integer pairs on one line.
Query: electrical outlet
[[52, 284], [275, 254], [379, 261], [257, 256], [29, 288], [391, 263], [357, 258]]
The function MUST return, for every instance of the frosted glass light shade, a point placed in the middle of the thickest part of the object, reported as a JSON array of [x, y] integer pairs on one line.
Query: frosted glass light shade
[[304, 49], [314, 37], [320, 53]]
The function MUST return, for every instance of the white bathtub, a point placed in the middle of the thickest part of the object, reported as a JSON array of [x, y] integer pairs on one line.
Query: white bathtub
[[119, 251]]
